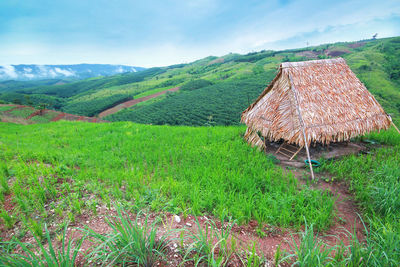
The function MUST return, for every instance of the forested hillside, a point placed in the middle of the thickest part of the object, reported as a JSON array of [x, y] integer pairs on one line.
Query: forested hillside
[[214, 90]]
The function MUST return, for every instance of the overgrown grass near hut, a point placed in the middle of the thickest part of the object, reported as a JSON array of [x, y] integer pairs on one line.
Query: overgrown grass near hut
[[374, 179]]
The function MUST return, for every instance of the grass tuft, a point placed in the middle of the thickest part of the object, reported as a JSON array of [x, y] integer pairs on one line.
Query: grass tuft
[[130, 242]]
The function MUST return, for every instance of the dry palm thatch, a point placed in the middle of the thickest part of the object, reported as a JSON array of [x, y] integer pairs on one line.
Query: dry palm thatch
[[313, 101]]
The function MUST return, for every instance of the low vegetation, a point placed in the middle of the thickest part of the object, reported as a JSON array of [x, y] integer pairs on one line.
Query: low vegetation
[[206, 170]]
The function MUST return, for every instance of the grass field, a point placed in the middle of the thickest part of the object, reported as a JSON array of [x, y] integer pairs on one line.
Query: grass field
[[204, 170], [59, 171]]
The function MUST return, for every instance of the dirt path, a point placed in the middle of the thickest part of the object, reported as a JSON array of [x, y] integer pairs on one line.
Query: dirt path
[[133, 102]]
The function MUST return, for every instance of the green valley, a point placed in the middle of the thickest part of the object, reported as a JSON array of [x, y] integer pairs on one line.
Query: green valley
[[231, 83]]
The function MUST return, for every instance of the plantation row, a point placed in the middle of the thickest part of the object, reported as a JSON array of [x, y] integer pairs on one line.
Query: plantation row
[[218, 104], [374, 63]]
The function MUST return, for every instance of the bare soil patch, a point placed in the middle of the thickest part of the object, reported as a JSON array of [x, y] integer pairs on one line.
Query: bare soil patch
[[336, 52], [358, 44], [308, 54]]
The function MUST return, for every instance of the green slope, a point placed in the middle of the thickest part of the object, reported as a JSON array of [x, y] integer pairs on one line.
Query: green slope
[[236, 80]]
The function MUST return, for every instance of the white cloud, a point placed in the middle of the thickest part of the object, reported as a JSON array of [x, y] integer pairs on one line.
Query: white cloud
[[52, 73], [29, 75], [264, 25], [64, 72], [43, 70], [8, 71], [28, 70]]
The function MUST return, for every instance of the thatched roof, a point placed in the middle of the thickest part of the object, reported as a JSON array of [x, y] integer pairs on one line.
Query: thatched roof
[[323, 97]]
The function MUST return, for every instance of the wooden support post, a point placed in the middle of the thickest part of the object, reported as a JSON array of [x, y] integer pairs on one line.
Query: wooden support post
[[301, 124], [265, 144], [309, 158]]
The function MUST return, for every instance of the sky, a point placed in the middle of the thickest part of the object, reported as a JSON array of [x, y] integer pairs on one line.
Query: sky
[[158, 33]]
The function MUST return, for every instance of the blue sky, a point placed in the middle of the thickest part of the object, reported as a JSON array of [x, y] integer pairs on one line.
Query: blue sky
[[158, 33]]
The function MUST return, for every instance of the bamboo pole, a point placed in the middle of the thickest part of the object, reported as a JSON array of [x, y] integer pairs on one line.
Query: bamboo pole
[[308, 155], [301, 124]]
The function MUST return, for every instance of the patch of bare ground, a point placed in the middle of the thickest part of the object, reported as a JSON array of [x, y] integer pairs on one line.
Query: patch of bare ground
[[357, 44], [336, 52], [216, 61], [308, 54]]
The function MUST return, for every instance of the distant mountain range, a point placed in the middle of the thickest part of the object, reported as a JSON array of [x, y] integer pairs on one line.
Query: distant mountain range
[[79, 71]]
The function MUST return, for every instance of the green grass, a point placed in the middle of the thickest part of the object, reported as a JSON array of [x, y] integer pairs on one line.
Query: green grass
[[39, 255], [206, 170], [130, 242]]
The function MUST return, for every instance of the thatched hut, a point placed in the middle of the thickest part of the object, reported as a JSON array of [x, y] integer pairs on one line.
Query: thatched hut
[[318, 101]]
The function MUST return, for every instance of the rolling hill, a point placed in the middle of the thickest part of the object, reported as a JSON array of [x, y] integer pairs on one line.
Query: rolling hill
[[215, 90]]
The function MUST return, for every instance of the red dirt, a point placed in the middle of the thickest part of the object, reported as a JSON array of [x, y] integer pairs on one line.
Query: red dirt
[[336, 52], [133, 102], [216, 61], [8, 206], [58, 117], [8, 202], [34, 114]]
